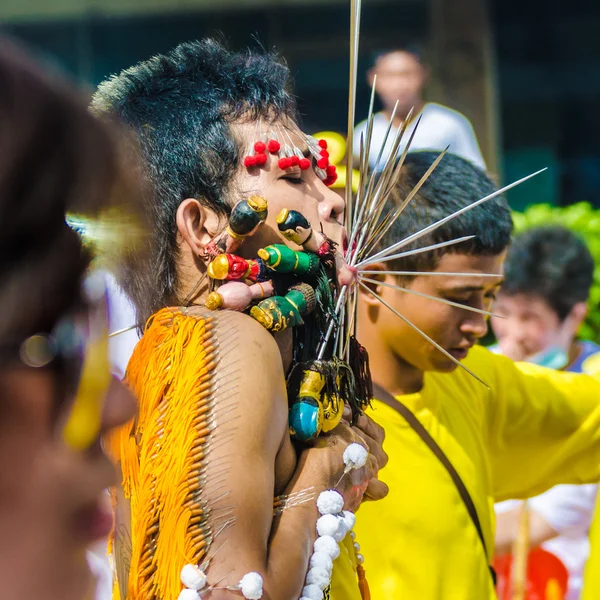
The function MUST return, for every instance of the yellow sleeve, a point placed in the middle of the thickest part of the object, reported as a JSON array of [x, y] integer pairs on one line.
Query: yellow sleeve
[[591, 578], [544, 428]]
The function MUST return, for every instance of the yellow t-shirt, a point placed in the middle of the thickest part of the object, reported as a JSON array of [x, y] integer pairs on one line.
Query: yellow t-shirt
[[591, 579], [344, 580], [532, 429]]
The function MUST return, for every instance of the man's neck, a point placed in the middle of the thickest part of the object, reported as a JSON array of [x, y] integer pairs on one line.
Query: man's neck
[[402, 113], [392, 372]]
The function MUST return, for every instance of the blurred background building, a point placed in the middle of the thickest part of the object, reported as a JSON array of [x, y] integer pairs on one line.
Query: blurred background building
[[524, 73]]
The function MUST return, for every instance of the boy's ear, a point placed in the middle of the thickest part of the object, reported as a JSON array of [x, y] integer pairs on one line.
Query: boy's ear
[[375, 274], [196, 224], [578, 314]]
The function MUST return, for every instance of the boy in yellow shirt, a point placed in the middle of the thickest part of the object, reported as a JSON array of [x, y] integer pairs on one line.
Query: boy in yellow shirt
[[526, 430]]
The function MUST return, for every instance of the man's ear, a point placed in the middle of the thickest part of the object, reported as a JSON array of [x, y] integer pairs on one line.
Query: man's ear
[[578, 314], [378, 289], [196, 224]]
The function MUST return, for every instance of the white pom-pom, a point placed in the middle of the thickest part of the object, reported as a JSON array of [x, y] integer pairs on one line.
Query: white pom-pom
[[340, 534], [355, 456], [251, 586], [314, 592], [319, 577], [349, 519], [330, 502], [188, 595], [328, 525], [320, 560], [192, 577], [328, 545]]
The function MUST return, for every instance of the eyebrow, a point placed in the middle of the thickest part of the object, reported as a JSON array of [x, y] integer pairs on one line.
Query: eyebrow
[[475, 288]]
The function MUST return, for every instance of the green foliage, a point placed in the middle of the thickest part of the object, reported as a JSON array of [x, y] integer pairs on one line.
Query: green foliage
[[584, 220]]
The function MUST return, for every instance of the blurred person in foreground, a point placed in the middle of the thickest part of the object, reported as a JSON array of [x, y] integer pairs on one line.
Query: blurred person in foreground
[[544, 300], [57, 394], [211, 448], [521, 432], [401, 76]]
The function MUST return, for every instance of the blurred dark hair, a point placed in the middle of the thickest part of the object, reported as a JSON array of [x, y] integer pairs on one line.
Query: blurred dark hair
[[180, 106], [551, 263], [414, 49], [455, 184], [55, 157]]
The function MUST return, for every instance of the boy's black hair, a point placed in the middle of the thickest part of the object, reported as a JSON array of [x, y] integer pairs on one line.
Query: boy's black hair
[[180, 107], [551, 263], [455, 184], [414, 49]]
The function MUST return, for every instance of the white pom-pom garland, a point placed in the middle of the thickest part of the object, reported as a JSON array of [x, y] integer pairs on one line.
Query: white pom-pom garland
[[319, 577], [251, 586], [340, 534], [332, 527], [313, 592], [327, 545], [349, 519], [330, 502], [192, 577], [320, 560], [328, 525], [355, 456], [188, 595]]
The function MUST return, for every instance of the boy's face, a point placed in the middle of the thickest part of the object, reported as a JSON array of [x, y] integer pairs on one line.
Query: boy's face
[[530, 326], [454, 329], [401, 77]]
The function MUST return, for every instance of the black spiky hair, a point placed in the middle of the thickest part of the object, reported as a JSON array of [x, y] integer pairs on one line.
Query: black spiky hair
[[180, 107]]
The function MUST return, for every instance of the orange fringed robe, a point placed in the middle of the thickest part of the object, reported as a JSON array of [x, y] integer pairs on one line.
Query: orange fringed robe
[[161, 453]]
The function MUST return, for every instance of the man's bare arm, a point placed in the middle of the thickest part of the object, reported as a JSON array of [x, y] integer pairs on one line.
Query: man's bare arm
[[255, 447]]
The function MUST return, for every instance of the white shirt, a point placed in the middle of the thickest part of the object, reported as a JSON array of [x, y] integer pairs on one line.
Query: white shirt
[[121, 315], [99, 565], [568, 509], [440, 127]]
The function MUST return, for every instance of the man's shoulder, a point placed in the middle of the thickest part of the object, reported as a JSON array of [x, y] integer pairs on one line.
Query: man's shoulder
[[445, 114], [237, 334], [380, 122]]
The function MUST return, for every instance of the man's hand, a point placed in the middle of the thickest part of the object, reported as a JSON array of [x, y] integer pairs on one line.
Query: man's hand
[[373, 436], [328, 452]]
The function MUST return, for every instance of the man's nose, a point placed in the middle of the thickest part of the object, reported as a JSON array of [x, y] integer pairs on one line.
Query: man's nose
[[331, 207]]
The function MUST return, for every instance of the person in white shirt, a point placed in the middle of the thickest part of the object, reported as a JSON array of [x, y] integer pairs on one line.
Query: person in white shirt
[[401, 76], [121, 323]]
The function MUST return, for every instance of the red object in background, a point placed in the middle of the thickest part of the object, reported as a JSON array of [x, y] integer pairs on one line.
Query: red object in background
[[547, 576]]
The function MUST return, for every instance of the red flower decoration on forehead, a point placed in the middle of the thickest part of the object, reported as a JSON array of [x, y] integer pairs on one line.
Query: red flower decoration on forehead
[[260, 147], [273, 146]]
